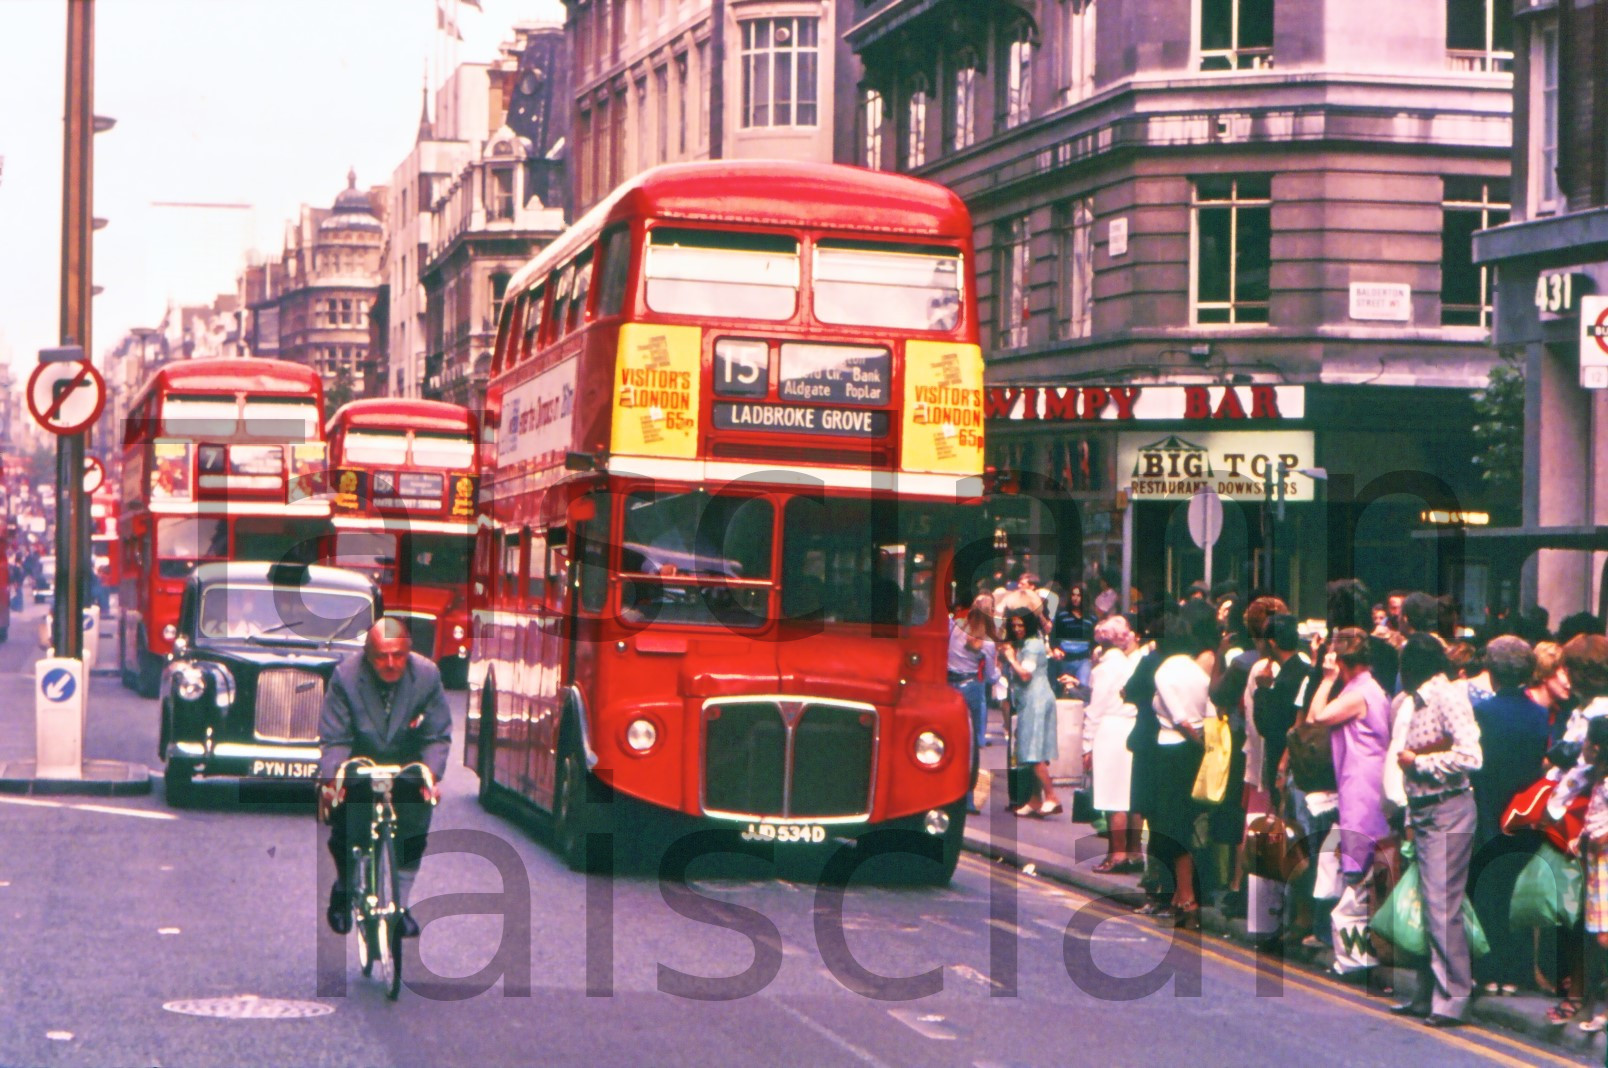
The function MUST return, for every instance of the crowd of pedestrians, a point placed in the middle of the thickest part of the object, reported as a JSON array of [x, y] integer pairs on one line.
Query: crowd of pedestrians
[[1313, 780]]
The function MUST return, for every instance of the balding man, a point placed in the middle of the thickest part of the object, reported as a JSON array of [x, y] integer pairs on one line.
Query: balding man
[[385, 703]]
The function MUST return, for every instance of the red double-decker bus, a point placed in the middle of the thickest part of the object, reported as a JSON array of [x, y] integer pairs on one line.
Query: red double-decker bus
[[733, 442], [223, 459], [403, 474]]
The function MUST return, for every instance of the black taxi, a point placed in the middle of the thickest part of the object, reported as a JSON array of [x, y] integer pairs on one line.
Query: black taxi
[[257, 643]]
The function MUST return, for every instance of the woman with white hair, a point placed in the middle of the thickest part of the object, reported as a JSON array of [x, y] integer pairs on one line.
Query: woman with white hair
[[1107, 722]]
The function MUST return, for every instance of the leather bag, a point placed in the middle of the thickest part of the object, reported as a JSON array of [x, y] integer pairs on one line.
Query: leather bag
[[1311, 756], [1271, 850]]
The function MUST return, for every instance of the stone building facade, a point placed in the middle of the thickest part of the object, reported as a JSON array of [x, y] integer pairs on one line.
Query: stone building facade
[[663, 81], [1199, 218], [1552, 302]]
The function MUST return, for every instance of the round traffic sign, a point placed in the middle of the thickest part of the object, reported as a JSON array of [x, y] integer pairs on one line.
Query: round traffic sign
[[66, 397], [1601, 331], [94, 474], [1205, 517]]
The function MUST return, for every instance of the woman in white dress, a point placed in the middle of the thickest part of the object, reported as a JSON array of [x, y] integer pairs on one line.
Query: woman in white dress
[[1106, 724]]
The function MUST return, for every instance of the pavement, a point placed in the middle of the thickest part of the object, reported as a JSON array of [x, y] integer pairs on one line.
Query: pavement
[[1064, 852]]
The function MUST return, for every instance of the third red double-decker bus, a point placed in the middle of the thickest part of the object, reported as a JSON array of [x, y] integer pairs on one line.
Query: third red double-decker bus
[[403, 476], [223, 459], [733, 442]]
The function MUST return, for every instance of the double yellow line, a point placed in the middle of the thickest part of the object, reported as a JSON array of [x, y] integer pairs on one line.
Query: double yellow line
[[1325, 989]]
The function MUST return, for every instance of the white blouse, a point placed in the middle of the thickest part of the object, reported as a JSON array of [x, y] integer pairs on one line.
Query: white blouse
[[1183, 697]]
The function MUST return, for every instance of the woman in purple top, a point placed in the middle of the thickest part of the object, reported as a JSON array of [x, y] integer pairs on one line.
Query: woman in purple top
[[1359, 715]]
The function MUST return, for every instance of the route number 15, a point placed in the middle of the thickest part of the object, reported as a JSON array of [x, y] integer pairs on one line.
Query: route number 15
[[742, 368]]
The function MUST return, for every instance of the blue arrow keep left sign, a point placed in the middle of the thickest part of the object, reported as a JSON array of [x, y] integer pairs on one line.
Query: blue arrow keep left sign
[[58, 684]]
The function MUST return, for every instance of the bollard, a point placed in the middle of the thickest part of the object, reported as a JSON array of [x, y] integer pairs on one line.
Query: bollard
[[59, 709]]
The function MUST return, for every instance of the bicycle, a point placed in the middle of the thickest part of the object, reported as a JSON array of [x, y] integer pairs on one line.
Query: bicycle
[[372, 878]]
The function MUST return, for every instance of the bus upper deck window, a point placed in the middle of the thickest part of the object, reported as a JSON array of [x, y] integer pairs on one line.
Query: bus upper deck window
[[722, 274], [901, 287]]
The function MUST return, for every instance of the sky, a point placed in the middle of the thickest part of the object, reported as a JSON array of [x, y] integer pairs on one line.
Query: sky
[[266, 103]]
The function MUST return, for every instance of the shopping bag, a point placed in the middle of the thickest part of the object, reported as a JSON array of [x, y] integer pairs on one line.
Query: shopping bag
[[1211, 782], [1548, 892], [1328, 884], [1264, 907], [1353, 950], [1401, 920], [1083, 810]]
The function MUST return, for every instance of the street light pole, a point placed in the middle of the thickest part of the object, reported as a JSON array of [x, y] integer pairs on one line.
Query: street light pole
[[77, 282]]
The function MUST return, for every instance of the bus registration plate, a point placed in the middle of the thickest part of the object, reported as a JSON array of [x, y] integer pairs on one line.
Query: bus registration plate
[[807, 833]]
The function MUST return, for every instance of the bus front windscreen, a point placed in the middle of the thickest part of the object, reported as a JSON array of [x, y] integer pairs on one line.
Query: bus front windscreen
[[693, 557]]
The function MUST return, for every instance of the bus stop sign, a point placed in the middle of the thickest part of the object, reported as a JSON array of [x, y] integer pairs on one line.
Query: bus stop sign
[[66, 398]]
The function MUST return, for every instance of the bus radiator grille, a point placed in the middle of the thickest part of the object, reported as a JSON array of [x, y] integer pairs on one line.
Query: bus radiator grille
[[795, 760], [289, 702]]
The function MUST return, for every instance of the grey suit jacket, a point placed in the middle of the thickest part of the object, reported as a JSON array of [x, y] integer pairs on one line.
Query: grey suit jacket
[[354, 721]]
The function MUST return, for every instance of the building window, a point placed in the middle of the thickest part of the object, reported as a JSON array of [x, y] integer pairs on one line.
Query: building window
[[499, 193], [618, 135], [1019, 77], [346, 313], [1233, 238], [871, 128], [1074, 228], [1479, 35], [1545, 188], [1469, 204], [915, 131], [704, 79], [1075, 62], [963, 103], [644, 125], [661, 88], [1236, 34], [681, 104], [583, 141], [1015, 260], [779, 72]]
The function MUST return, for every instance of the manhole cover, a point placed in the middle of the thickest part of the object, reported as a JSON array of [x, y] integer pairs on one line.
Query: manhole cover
[[249, 1007]]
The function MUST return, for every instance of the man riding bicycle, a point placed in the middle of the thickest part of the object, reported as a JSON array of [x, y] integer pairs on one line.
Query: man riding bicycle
[[386, 704]]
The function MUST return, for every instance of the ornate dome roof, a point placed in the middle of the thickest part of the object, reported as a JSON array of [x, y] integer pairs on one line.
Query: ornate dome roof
[[352, 209]]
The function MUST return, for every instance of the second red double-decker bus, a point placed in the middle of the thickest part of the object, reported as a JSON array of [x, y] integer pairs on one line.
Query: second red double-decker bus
[[223, 459], [733, 445], [403, 476]]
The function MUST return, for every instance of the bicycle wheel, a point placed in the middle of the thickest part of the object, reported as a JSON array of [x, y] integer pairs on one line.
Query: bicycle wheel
[[357, 873], [388, 909]]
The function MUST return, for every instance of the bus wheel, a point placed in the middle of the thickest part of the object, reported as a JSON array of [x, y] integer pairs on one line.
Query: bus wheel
[[486, 755], [148, 678], [918, 858], [579, 805], [454, 672]]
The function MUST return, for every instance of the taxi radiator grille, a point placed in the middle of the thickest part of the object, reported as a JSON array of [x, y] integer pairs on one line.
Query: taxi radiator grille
[[289, 702]]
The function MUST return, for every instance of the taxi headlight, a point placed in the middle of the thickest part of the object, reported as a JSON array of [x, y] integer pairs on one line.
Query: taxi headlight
[[929, 749], [190, 682], [641, 735], [169, 632]]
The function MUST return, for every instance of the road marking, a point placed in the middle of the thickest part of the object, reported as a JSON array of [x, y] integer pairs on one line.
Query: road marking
[[966, 971], [862, 1055], [948, 925], [927, 1024], [59, 1036], [167, 930], [1011, 929], [85, 806]]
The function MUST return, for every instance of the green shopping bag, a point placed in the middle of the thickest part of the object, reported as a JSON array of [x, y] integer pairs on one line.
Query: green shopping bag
[[1549, 891], [1401, 920]]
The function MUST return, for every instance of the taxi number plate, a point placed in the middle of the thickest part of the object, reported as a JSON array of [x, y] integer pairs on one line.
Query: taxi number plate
[[284, 769], [813, 833]]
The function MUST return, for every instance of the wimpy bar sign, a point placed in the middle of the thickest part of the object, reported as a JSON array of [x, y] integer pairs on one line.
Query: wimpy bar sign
[[1145, 403]]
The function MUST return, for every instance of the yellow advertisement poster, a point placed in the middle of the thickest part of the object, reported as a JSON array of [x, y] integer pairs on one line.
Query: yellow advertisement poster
[[656, 390], [943, 408]]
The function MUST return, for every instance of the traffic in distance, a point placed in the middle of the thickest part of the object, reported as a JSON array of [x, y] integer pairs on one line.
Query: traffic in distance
[[694, 553]]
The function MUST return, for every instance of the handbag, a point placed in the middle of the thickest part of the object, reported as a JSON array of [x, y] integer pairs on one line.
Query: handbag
[[1311, 756], [1548, 892], [1528, 812], [1271, 850], [1211, 782]]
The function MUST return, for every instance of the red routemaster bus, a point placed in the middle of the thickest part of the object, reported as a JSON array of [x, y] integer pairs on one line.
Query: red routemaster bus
[[223, 459], [732, 443], [403, 476]]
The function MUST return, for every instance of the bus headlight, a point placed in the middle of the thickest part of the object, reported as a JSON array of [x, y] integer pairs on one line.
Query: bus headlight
[[641, 735], [929, 749], [190, 682], [457, 632]]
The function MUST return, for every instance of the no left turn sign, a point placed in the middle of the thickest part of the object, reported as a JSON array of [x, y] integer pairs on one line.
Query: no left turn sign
[[66, 398]]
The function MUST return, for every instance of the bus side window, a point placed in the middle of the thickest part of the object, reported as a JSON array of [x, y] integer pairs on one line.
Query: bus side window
[[561, 302], [616, 271], [582, 286], [535, 303], [535, 568], [508, 579], [557, 576], [592, 534], [506, 351]]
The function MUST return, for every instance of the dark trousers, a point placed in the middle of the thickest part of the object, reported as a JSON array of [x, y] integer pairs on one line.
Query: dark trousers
[[1496, 867], [350, 823]]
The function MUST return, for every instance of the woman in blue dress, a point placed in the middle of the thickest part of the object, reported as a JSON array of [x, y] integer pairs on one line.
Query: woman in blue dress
[[1033, 706]]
